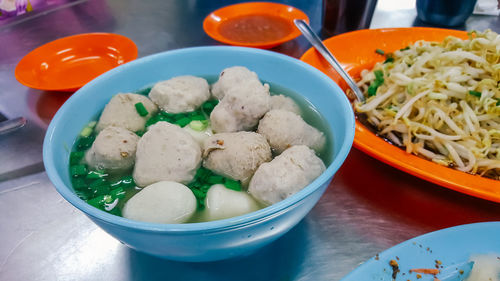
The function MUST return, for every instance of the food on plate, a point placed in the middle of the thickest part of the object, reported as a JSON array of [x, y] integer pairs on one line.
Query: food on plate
[[284, 103], [166, 152], [440, 101], [223, 203], [122, 111], [182, 167], [236, 155], [113, 150], [285, 175], [180, 94], [161, 202], [284, 129]]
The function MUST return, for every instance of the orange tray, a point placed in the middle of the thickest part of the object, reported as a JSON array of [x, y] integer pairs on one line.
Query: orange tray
[[356, 51]]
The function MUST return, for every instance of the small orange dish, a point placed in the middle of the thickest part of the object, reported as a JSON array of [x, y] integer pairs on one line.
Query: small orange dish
[[356, 51], [68, 63], [254, 24]]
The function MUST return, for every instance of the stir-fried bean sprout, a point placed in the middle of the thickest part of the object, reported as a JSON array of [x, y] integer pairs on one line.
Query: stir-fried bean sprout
[[440, 101]]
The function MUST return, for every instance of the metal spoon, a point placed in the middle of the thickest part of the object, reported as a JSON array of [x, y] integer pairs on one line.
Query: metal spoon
[[323, 50]]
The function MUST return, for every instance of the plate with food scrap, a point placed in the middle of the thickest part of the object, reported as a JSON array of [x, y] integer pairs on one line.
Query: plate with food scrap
[[433, 104], [254, 24], [463, 252]]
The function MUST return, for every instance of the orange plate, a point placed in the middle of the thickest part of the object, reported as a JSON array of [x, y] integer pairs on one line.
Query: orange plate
[[68, 63], [214, 20], [356, 51]]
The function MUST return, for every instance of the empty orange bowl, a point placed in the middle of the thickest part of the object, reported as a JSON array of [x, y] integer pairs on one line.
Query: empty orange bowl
[[68, 63], [254, 24]]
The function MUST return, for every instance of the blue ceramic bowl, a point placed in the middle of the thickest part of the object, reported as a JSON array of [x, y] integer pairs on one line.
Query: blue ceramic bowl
[[207, 241]]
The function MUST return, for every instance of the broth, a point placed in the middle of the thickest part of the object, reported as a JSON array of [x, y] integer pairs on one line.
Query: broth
[[120, 186]]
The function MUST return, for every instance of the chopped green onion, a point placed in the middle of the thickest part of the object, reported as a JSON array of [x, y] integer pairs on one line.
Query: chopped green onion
[[99, 201], [166, 114], [180, 116], [209, 105], [117, 193], [475, 93], [379, 76], [78, 170], [75, 157], [198, 193], [79, 183], [152, 120], [198, 125], [141, 109], [388, 60], [86, 132], [183, 121], [372, 90], [144, 91], [498, 102], [101, 189], [92, 124], [380, 52], [84, 143], [202, 173], [405, 48], [82, 195], [198, 117], [232, 184], [215, 179]]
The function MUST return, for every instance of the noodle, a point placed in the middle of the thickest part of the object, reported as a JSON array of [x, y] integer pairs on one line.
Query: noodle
[[440, 101]]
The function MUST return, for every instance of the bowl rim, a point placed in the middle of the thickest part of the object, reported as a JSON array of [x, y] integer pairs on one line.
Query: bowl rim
[[211, 226]]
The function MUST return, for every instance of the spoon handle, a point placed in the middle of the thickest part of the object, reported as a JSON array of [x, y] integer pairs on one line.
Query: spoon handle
[[323, 50], [11, 125]]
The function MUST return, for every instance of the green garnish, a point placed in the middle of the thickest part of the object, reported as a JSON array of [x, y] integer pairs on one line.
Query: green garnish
[[405, 48], [498, 102], [83, 143], [79, 183], [117, 193], [183, 121], [78, 170], [475, 93], [144, 91], [208, 106], [232, 184], [390, 59], [380, 52], [141, 109], [379, 80], [198, 125], [215, 179], [75, 157]]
